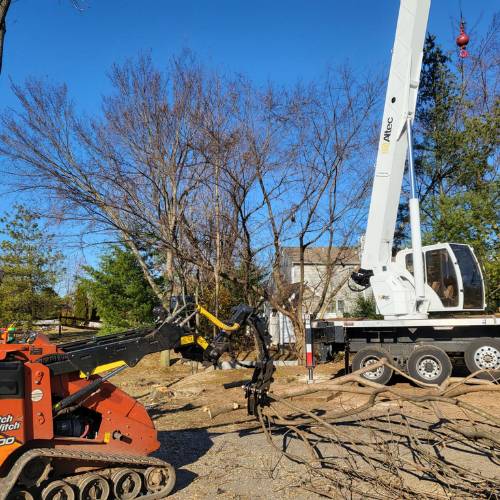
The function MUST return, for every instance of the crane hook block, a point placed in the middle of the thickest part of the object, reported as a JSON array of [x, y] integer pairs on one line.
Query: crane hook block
[[462, 41]]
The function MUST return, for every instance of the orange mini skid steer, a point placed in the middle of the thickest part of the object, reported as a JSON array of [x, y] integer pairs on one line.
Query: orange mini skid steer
[[67, 432]]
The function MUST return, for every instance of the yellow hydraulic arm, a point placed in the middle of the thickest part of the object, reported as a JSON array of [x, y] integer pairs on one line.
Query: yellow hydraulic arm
[[184, 340]]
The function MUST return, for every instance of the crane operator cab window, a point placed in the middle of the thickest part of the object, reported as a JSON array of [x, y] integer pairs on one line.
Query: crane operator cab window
[[471, 276], [453, 272], [409, 262], [441, 276]]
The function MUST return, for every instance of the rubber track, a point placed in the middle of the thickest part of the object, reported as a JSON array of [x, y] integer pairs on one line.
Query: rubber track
[[8, 483]]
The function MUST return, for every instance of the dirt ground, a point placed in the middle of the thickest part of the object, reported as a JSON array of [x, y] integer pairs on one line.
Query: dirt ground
[[228, 456]]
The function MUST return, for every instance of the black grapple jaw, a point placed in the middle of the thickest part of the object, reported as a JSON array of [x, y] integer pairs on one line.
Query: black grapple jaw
[[256, 391]]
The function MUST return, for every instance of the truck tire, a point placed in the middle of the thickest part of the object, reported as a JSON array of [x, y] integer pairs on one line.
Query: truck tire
[[429, 364], [369, 355], [484, 354]]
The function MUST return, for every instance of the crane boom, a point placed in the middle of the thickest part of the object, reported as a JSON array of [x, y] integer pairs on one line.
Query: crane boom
[[400, 102], [419, 280]]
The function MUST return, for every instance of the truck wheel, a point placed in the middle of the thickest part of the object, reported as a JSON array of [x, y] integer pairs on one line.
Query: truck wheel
[[429, 364], [368, 356], [484, 354]]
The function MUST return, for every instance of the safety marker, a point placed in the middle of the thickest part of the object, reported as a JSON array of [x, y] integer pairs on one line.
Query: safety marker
[[310, 364]]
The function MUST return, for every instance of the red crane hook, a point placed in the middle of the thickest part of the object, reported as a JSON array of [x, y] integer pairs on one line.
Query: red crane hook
[[462, 41]]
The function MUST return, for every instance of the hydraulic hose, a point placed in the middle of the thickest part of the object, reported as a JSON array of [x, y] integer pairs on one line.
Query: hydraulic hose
[[216, 321]]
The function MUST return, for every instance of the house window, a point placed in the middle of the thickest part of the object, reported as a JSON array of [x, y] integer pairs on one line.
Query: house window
[[340, 306]]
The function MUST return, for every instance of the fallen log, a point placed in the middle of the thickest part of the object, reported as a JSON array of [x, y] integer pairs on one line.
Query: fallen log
[[353, 383], [214, 410]]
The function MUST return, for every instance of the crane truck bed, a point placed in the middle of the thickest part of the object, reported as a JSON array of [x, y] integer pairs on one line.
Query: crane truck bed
[[427, 349]]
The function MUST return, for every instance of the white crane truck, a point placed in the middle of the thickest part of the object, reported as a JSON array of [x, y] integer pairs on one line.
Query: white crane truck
[[422, 300]]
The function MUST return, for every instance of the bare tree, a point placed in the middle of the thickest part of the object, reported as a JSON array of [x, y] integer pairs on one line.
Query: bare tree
[[133, 171], [479, 76], [204, 177], [217, 141], [306, 150]]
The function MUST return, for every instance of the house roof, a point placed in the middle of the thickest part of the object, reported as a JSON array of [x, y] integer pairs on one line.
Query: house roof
[[319, 255]]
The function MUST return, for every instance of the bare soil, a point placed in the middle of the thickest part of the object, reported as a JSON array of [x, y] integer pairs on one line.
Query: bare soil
[[229, 457]]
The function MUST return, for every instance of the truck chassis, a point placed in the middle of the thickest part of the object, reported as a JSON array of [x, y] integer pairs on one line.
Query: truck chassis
[[426, 349]]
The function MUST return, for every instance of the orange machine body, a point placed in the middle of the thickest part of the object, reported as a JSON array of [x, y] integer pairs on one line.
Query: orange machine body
[[108, 420]]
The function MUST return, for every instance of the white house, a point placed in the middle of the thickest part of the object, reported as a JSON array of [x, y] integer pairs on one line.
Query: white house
[[340, 299]]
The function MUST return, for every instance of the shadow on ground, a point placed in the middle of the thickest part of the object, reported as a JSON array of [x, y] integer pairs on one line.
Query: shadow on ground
[[182, 448], [156, 411]]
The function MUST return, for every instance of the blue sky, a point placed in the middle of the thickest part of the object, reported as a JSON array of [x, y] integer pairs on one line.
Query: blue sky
[[278, 40], [282, 41]]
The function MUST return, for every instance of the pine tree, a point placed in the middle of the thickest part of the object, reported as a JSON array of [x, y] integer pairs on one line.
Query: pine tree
[[81, 301], [364, 308], [31, 267], [119, 291]]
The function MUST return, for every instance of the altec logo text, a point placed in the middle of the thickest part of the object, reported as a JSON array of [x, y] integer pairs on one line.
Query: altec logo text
[[388, 129]]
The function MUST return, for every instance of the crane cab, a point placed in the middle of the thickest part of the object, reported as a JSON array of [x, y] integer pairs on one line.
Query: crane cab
[[453, 277]]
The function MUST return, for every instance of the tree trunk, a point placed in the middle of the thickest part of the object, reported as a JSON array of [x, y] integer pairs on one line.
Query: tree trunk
[[217, 244], [4, 7], [169, 270], [165, 359], [298, 326], [300, 338]]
